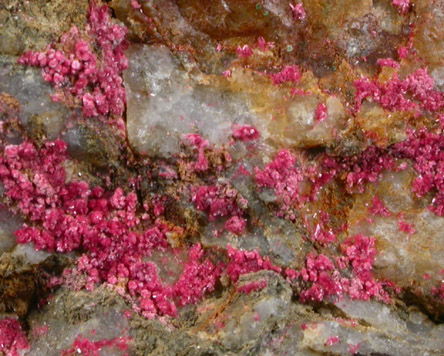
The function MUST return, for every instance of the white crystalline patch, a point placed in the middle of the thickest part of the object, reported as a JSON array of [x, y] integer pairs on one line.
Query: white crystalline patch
[[280, 10], [9, 223], [60, 335], [388, 332], [164, 102], [302, 128], [438, 76], [29, 255], [33, 94], [250, 324], [377, 314], [301, 111]]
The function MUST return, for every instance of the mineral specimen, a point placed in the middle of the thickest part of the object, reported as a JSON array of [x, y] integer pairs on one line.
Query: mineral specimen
[[221, 177]]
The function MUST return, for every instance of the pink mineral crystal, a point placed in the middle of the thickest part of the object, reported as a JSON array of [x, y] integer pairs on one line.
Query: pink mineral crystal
[[13, 339], [284, 177], [426, 150], [201, 144], [135, 4], [360, 252], [365, 167], [252, 287], [94, 79], [216, 201], [332, 340], [246, 133], [291, 274], [325, 279], [263, 45], [84, 346], [438, 291], [406, 227], [74, 216], [402, 6], [298, 11], [236, 225], [244, 51], [242, 262], [321, 113], [287, 74], [415, 92], [387, 62], [198, 277], [317, 271], [378, 208], [322, 234]]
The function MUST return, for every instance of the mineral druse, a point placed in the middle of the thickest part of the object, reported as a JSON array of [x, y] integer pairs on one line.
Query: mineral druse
[[221, 177]]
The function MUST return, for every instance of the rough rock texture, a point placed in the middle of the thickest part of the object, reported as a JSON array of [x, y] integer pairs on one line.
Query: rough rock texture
[[221, 177], [34, 24]]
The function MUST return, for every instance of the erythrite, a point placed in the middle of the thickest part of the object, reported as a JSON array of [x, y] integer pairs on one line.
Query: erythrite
[[325, 278], [85, 347], [287, 74], [402, 5], [220, 201], [242, 262], [244, 51], [13, 341], [252, 287], [321, 113], [201, 144], [165, 227], [426, 150], [216, 201], [284, 177], [332, 340], [104, 225], [246, 133], [106, 228], [93, 78], [378, 208], [317, 271], [298, 11], [415, 92], [360, 252], [363, 168]]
